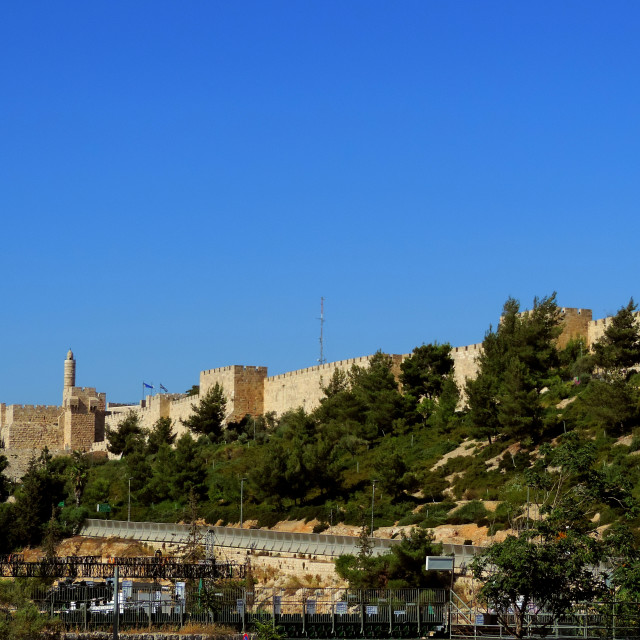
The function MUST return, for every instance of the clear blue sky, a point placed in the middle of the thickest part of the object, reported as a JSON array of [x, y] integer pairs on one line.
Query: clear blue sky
[[180, 182]]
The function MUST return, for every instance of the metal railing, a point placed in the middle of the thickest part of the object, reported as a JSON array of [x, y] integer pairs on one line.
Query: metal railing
[[314, 544]]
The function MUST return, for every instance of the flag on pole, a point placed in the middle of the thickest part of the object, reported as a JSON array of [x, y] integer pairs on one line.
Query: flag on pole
[[163, 388], [147, 386]]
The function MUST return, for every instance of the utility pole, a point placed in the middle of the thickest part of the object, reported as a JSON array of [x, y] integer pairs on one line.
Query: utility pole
[[129, 506], [116, 603], [241, 497], [373, 497], [321, 359]]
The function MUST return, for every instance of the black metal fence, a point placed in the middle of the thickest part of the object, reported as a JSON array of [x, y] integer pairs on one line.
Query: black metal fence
[[156, 567], [592, 621], [316, 613]]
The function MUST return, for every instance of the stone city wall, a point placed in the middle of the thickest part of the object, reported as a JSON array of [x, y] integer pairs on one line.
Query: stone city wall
[[80, 431], [41, 414], [19, 459], [596, 328], [181, 410], [31, 426], [32, 435], [303, 388], [465, 363], [575, 324], [249, 390], [243, 387], [155, 407]]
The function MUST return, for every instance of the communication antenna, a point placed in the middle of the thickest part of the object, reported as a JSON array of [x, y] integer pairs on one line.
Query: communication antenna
[[321, 359]]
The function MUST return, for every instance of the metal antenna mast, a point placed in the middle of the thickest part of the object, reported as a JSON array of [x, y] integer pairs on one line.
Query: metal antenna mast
[[321, 359]]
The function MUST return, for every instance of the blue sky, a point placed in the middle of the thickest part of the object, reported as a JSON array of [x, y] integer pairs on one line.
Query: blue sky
[[180, 182]]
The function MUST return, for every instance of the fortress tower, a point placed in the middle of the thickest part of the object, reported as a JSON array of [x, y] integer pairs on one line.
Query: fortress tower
[[81, 421], [69, 371]]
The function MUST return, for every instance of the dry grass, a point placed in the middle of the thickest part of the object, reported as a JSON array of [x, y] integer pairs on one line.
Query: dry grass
[[207, 630]]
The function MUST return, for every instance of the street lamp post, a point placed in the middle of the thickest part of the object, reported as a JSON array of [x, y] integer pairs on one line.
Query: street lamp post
[[129, 507], [373, 497], [241, 498]]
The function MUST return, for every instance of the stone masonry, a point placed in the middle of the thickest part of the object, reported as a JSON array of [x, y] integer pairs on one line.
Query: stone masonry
[[75, 425]]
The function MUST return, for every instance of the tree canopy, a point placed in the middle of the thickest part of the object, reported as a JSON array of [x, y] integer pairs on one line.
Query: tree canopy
[[619, 348], [209, 415]]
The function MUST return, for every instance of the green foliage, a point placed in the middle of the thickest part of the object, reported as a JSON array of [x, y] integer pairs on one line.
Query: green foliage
[[575, 360], [43, 487], [78, 473], [514, 364], [128, 437], [5, 485], [266, 631], [550, 572], [473, 511], [619, 348], [367, 428], [613, 404], [403, 567], [391, 470], [424, 376], [208, 416], [161, 433], [26, 624]]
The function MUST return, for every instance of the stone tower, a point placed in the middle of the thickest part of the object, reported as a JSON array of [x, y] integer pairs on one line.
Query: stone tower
[[69, 371]]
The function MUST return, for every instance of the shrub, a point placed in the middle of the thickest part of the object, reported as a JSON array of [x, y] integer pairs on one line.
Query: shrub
[[474, 511]]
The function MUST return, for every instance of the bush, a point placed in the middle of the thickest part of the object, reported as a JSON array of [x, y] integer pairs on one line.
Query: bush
[[412, 518], [472, 512]]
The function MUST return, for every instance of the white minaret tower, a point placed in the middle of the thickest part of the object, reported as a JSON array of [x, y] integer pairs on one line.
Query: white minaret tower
[[69, 371]]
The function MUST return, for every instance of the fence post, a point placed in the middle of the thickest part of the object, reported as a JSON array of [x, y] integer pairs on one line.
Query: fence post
[[116, 602], [304, 617], [244, 610], [86, 608], [333, 618], [150, 595], [273, 605], [613, 619]]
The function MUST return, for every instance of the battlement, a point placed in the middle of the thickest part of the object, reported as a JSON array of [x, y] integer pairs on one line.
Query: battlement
[[573, 311], [40, 413], [327, 366], [596, 328], [186, 400], [470, 348], [607, 321], [235, 368], [33, 407]]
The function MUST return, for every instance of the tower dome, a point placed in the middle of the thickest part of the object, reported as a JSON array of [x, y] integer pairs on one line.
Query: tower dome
[[69, 371]]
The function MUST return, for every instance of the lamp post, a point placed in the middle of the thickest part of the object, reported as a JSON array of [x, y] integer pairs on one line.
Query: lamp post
[[373, 497], [241, 498], [129, 506]]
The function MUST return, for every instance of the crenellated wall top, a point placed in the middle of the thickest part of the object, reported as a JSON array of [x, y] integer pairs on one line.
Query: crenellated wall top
[[321, 367], [235, 368], [469, 347], [34, 407]]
